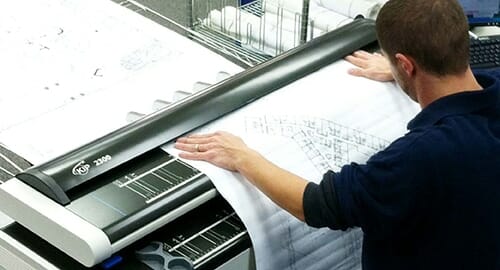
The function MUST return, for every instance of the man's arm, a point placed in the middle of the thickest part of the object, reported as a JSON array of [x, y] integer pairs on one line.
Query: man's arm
[[372, 66], [230, 152]]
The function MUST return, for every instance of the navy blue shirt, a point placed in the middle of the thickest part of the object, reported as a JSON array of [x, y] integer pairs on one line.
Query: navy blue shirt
[[430, 200]]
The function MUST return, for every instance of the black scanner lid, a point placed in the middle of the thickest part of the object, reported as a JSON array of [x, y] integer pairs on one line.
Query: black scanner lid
[[56, 177]]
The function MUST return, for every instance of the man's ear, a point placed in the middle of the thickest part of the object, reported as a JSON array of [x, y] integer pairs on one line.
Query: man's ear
[[405, 63]]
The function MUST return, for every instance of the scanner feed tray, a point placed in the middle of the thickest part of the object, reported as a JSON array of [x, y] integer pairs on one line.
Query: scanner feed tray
[[208, 236], [130, 193]]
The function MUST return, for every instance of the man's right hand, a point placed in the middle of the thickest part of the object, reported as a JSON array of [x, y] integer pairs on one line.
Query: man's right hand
[[372, 66]]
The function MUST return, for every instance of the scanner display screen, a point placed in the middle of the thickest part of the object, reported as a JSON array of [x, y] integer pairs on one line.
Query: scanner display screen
[[131, 188]]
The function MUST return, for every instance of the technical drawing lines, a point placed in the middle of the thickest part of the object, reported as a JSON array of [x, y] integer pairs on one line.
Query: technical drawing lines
[[327, 144], [312, 152]]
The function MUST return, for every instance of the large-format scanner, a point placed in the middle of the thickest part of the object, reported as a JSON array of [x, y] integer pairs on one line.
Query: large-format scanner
[[102, 197]]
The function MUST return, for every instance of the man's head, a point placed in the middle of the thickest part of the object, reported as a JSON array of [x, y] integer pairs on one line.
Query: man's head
[[432, 34]]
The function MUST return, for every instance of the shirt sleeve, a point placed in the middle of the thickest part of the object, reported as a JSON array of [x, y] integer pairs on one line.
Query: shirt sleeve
[[377, 196], [321, 206]]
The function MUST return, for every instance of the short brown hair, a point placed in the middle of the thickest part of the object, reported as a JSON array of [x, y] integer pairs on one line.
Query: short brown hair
[[433, 32]]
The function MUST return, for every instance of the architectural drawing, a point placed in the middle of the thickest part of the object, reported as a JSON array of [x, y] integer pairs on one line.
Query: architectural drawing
[[308, 128], [327, 144]]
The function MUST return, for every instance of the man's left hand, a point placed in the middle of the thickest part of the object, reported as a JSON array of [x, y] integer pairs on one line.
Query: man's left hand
[[221, 148], [373, 66]]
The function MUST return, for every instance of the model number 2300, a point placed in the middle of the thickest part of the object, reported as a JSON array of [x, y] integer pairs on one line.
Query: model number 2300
[[102, 160]]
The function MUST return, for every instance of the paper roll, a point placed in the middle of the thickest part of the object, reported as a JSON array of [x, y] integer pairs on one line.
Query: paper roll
[[353, 8], [291, 6], [328, 20], [259, 33], [321, 19]]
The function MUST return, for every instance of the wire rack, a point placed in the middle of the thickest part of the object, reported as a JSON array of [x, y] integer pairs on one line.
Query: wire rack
[[246, 43], [243, 32], [229, 45], [252, 33]]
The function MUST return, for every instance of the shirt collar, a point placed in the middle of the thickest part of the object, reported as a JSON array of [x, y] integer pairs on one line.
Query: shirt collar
[[460, 103]]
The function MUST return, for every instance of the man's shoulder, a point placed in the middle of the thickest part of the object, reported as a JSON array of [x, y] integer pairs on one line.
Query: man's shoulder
[[417, 138], [417, 146], [495, 73], [490, 72]]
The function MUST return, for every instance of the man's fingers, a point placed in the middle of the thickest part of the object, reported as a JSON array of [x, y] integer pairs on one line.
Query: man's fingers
[[193, 155], [185, 146], [206, 135], [356, 72], [195, 147], [195, 140], [362, 54], [362, 63]]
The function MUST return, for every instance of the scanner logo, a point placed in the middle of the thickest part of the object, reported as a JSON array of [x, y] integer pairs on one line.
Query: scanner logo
[[81, 168]]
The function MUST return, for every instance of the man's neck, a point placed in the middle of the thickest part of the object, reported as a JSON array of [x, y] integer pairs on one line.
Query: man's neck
[[431, 88]]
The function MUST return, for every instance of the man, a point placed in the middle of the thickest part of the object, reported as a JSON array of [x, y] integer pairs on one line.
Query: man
[[431, 200]]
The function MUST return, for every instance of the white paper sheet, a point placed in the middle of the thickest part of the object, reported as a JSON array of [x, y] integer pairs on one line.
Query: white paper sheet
[[320, 122], [73, 69]]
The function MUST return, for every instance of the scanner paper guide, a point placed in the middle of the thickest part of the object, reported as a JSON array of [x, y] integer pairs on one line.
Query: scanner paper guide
[[73, 69], [320, 122]]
